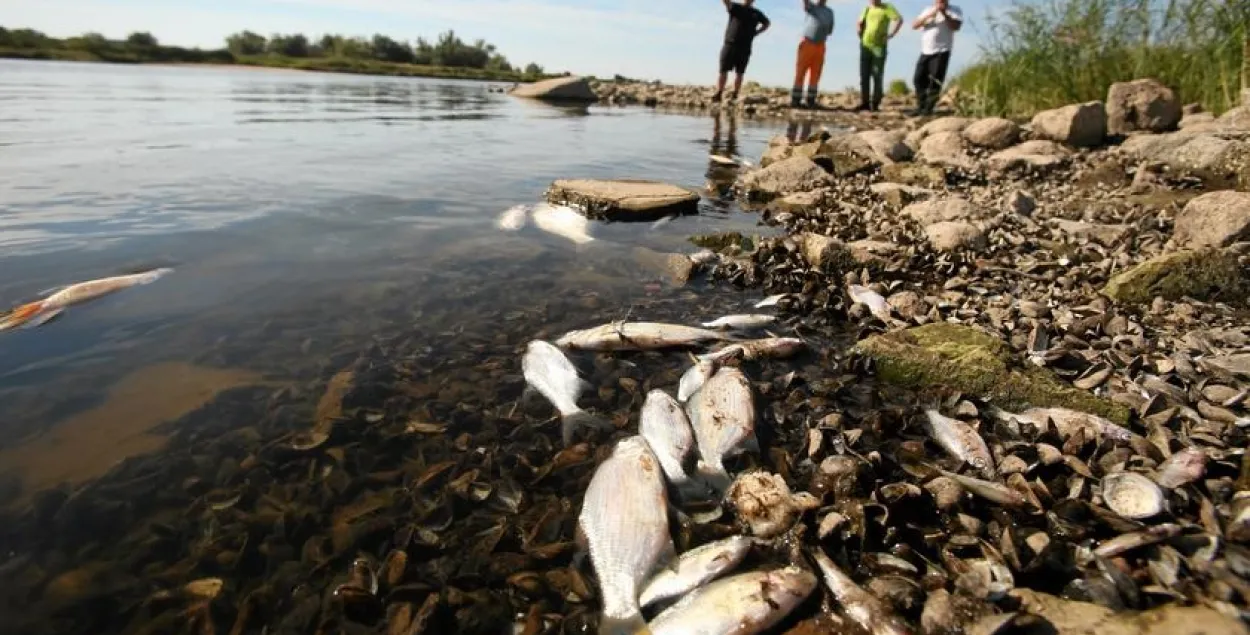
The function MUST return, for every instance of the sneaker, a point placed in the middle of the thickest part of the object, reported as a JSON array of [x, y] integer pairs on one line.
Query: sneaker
[[811, 105], [716, 97], [794, 103], [862, 108]]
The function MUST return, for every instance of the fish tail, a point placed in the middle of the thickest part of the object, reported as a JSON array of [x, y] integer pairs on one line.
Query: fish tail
[[20, 315], [633, 625], [572, 423]]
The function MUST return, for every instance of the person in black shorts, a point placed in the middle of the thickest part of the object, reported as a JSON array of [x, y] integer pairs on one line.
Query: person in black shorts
[[745, 22]]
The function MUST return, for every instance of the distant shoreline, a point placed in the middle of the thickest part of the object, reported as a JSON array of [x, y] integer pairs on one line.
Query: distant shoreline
[[270, 62]]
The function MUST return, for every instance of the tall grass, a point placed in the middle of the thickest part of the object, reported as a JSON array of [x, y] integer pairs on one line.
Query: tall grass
[[1048, 53]]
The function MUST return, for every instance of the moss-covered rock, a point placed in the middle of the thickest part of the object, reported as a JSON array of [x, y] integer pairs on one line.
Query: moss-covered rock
[[971, 361], [1204, 274], [729, 243]]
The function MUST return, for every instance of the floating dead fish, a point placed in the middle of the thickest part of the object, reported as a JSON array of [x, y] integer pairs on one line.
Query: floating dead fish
[[961, 441], [723, 416], [562, 221], [548, 371], [741, 322], [40, 312], [694, 378], [743, 604], [638, 336], [876, 304], [860, 606], [513, 218], [664, 425], [663, 221], [624, 520], [695, 568]]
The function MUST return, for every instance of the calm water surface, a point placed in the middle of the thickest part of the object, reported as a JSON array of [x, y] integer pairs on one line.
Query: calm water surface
[[298, 210]]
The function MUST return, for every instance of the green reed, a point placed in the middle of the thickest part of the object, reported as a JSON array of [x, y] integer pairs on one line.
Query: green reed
[[1048, 53]]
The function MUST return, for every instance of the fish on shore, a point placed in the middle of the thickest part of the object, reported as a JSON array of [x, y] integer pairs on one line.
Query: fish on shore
[[513, 218], [694, 377], [874, 301], [741, 322], [549, 372], [624, 523], [862, 607], [767, 348], [637, 336], [1067, 421], [772, 300], [695, 568], [961, 441], [742, 604], [41, 311], [664, 425], [562, 221], [723, 416]]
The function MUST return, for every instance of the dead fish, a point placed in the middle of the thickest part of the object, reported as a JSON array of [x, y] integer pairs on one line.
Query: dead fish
[[741, 322], [1182, 468], [993, 492], [743, 604], [637, 336], [624, 521], [664, 425], [513, 218], [1067, 422], [663, 221], [40, 312], [723, 416], [1135, 540], [694, 378], [767, 348], [562, 221], [859, 605], [695, 568], [961, 441], [772, 300], [704, 256], [876, 304], [548, 371]]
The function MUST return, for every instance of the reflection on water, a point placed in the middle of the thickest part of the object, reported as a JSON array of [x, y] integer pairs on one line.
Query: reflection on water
[[312, 221]]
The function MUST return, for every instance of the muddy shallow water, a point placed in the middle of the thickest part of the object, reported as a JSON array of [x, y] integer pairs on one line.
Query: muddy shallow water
[[337, 268]]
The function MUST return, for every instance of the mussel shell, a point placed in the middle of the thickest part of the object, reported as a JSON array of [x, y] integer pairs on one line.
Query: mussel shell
[[1132, 495]]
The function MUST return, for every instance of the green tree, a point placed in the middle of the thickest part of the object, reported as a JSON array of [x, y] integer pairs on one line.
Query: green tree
[[533, 69], [295, 45], [142, 40], [388, 50], [899, 88], [246, 43]]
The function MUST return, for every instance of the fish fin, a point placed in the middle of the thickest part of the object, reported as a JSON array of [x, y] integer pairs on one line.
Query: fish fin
[[633, 625], [716, 477], [668, 558], [42, 318], [572, 423], [21, 315]]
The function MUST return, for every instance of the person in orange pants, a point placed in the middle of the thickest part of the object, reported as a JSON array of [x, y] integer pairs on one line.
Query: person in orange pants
[[811, 57]]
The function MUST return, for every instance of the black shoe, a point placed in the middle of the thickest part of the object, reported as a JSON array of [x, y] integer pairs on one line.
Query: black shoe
[[913, 112], [794, 103], [862, 108], [811, 105], [716, 97]]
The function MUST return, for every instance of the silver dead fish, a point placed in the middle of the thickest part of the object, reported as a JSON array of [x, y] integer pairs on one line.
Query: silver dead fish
[[772, 300], [695, 568], [723, 416], [1067, 421], [664, 425], [876, 304], [694, 378], [767, 348], [743, 322], [743, 604], [548, 371], [41, 311], [993, 492], [637, 336], [513, 218], [562, 221], [624, 520], [961, 441], [859, 605]]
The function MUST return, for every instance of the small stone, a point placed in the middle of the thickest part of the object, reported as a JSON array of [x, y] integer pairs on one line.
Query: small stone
[[908, 304], [993, 133], [954, 236], [1079, 125], [951, 208], [1032, 309], [1021, 202], [928, 176], [1217, 219]]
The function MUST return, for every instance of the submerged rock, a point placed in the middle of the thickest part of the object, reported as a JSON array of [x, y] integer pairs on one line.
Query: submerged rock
[[1207, 274], [575, 89], [967, 360], [624, 199]]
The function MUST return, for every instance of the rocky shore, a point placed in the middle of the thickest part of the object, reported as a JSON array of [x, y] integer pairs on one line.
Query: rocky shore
[[1021, 405]]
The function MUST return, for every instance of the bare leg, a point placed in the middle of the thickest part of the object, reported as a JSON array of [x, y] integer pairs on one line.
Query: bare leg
[[737, 84], [720, 86]]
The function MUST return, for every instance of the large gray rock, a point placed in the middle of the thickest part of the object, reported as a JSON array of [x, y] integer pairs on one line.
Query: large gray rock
[[954, 236], [795, 174], [898, 194], [994, 133], [842, 155], [939, 125], [929, 176], [1210, 156], [945, 148], [624, 199], [1143, 104], [779, 148], [572, 88], [952, 208], [1036, 155], [1217, 219], [888, 145], [1079, 125]]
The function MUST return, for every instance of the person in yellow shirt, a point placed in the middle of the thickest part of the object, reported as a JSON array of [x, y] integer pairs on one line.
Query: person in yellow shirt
[[878, 22]]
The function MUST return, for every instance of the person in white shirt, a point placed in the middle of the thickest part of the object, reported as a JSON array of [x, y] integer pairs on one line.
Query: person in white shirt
[[938, 24]]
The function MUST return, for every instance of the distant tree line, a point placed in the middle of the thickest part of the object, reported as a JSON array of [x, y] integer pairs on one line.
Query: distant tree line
[[448, 50]]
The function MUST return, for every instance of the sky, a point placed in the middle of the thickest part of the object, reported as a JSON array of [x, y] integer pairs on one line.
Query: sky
[[675, 41]]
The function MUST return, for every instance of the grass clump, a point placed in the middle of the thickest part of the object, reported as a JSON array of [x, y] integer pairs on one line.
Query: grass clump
[[1049, 53]]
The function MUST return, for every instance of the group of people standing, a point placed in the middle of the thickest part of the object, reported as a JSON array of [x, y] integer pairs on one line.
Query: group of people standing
[[878, 23]]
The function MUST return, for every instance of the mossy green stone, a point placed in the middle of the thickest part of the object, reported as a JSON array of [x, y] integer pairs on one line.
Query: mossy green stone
[[1207, 274], [968, 360]]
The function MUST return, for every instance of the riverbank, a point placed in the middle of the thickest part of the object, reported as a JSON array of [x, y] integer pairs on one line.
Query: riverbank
[[411, 488], [320, 64]]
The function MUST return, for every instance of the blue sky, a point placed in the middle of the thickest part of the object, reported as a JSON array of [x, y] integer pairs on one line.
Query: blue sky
[[671, 40]]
